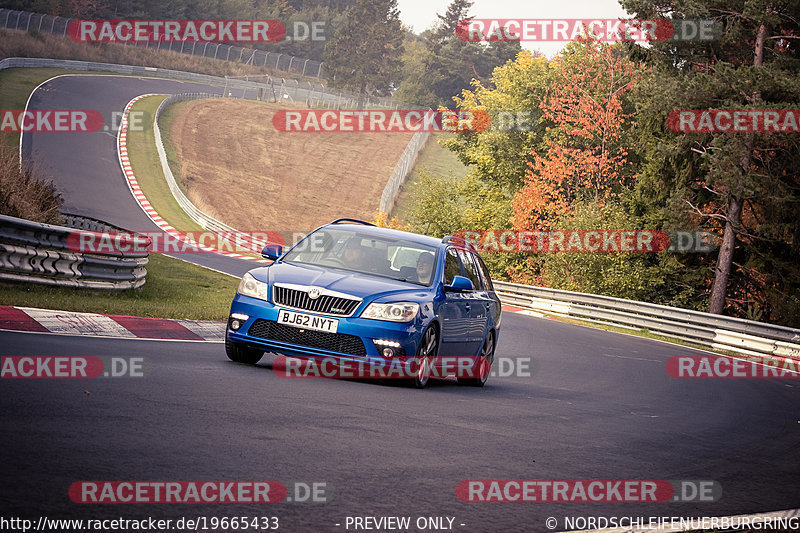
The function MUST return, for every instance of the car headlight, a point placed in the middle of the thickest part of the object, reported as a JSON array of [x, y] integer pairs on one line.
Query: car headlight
[[394, 312], [250, 286]]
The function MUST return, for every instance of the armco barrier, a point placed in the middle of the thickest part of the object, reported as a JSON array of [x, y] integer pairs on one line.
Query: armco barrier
[[205, 221], [401, 170], [715, 331], [39, 253], [284, 89]]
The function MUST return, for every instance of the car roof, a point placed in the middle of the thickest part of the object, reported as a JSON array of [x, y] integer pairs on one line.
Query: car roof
[[388, 232]]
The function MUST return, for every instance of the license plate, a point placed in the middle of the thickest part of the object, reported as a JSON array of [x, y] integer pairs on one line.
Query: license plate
[[304, 321]]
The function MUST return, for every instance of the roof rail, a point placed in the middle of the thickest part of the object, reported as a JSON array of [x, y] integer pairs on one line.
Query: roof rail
[[356, 221]]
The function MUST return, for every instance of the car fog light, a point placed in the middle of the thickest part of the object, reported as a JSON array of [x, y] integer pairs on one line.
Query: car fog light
[[388, 353], [237, 319]]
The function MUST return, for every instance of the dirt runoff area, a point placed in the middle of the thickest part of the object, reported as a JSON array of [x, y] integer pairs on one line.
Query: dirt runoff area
[[236, 167]]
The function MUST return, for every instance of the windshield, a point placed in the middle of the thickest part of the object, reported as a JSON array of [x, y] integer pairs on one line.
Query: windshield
[[352, 250]]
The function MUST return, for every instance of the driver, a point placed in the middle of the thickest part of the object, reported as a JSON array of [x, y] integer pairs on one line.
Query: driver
[[353, 255], [424, 267]]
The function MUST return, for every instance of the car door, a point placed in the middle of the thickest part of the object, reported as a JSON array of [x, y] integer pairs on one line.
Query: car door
[[494, 305], [477, 303], [454, 312]]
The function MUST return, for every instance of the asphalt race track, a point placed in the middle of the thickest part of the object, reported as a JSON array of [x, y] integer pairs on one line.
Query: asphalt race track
[[85, 166], [597, 405]]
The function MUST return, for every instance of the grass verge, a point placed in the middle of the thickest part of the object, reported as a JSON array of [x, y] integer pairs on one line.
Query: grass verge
[[174, 289], [147, 169], [435, 158]]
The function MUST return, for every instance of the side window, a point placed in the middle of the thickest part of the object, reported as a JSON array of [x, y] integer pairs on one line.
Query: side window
[[484, 273], [470, 270], [452, 267]]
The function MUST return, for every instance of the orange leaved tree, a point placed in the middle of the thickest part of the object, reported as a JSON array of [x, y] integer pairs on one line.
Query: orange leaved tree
[[585, 154]]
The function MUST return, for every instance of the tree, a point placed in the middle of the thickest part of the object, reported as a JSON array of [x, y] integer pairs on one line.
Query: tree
[[586, 149], [450, 63], [743, 185], [365, 51]]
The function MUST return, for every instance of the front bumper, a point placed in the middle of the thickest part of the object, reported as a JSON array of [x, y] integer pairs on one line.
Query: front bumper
[[343, 345]]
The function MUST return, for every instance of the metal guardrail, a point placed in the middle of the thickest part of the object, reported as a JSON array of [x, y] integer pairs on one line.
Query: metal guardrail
[[44, 253], [715, 331], [25, 20], [205, 221], [284, 89], [402, 169]]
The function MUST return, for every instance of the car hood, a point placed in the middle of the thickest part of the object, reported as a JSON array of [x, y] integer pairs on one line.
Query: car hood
[[364, 286]]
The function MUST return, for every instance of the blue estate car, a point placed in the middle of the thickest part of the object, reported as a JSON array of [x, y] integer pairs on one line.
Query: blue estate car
[[359, 294]]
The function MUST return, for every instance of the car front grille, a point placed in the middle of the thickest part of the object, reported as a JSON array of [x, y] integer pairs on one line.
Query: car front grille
[[332, 342], [325, 303]]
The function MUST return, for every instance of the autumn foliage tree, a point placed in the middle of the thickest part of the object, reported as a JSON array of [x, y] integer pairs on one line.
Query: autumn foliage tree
[[585, 156]]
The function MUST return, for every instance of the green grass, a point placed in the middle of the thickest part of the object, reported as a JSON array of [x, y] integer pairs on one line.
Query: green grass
[[174, 289], [147, 169], [434, 158]]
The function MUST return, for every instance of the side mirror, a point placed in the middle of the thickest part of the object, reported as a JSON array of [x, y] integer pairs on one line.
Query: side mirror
[[272, 251], [460, 284]]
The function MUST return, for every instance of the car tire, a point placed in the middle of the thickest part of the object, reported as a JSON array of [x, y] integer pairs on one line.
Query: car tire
[[483, 364], [239, 353], [426, 356]]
